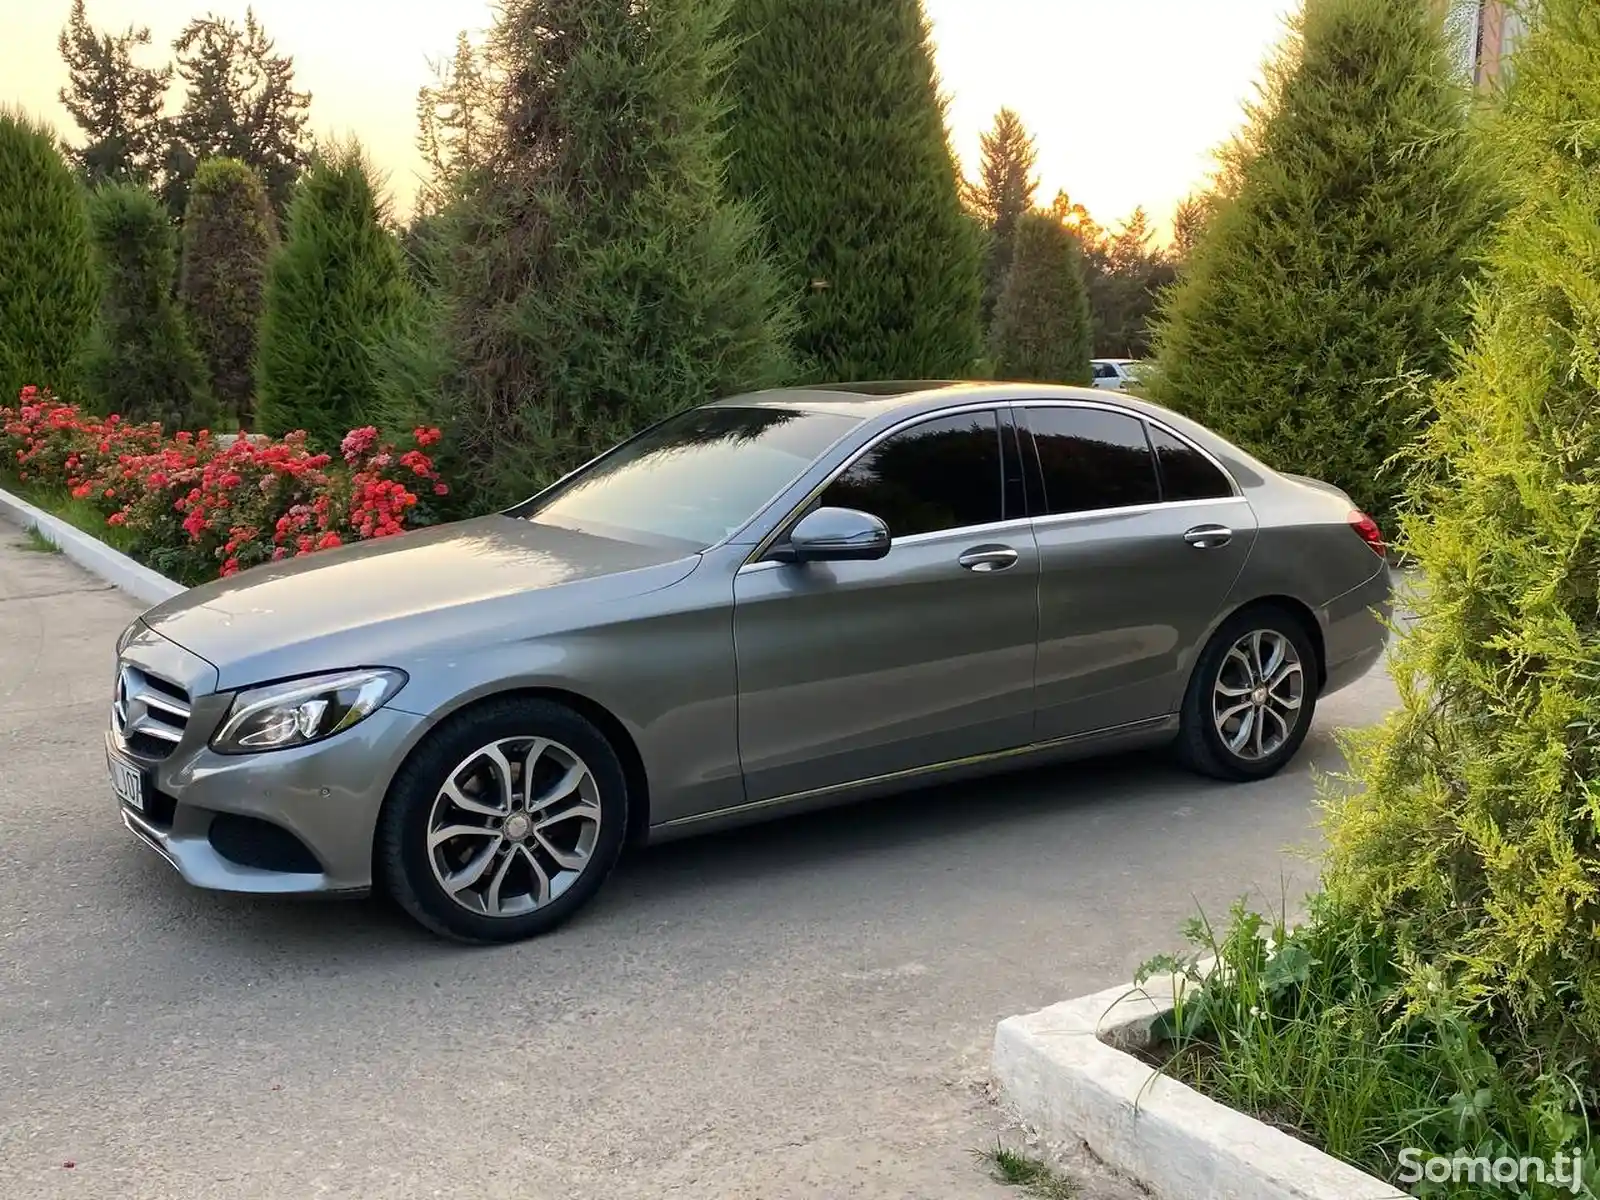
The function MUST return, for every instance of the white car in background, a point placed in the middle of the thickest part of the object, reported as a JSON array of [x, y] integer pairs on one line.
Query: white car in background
[[1115, 374]]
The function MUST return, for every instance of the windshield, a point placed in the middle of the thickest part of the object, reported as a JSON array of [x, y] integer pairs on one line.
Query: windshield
[[695, 478]]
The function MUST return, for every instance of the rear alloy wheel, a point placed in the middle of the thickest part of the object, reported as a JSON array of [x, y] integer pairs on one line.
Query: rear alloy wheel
[[505, 823], [1251, 699]]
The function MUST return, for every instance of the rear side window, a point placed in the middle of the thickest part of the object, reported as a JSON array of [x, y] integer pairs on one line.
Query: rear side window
[[941, 474], [1186, 474], [1092, 459]]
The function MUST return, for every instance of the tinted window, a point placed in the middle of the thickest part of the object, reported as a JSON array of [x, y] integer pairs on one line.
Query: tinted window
[[695, 478], [1092, 459], [1186, 474], [941, 474]]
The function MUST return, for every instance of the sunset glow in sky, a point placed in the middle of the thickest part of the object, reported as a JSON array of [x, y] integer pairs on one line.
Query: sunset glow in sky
[[1126, 98]]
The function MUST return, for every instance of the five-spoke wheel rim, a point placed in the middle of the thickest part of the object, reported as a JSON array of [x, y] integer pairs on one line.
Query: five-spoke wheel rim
[[1258, 693], [514, 826]]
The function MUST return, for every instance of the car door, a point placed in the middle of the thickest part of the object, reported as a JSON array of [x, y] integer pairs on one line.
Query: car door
[[1141, 537], [850, 671]]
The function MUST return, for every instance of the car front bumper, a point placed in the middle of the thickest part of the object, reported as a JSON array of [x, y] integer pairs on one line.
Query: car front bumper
[[282, 822]]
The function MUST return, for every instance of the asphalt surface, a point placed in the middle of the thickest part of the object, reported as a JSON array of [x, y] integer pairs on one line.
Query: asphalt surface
[[799, 1010]]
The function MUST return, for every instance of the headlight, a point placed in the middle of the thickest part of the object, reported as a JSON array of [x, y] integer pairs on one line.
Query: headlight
[[300, 711], [127, 635]]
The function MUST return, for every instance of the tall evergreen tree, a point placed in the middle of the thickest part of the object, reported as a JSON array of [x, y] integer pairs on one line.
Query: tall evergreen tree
[[1126, 277], [336, 292], [455, 122], [48, 286], [1003, 191], [1188, 222], [117, 104], [598, 278], [228, 237], [239, 102], [141, 362], [838, 134], [1041, 329], [1348, 219], [1474, 840]]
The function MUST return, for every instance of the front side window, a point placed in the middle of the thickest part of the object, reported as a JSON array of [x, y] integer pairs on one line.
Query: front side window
[[694, 479], [1092, 459], [941, 474]]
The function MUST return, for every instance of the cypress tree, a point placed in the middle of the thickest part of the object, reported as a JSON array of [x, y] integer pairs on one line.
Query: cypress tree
[[838, 133], [228, 235], [48, 286], [1475, 837], [1002, 194], [1335, 257], [336, 292], [141, 362], [1042, 326], [596, 277]]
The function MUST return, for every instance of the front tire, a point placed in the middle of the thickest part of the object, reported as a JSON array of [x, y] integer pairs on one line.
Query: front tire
[[504, 822], [1251, 698]]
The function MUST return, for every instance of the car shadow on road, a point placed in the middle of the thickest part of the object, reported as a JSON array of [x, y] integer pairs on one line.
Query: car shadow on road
[[1009, 817]]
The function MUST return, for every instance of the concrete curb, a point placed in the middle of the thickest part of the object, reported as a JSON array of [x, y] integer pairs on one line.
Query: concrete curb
[[140, 582], [1062, 1072]]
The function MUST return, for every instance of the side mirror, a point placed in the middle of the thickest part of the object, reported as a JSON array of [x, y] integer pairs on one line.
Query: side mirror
[[835, 535]]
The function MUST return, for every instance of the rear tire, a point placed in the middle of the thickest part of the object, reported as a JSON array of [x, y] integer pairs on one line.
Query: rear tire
[[1251, 697], [504, 822]]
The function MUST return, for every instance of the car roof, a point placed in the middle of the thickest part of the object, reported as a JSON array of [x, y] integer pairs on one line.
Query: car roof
[[908, 398]]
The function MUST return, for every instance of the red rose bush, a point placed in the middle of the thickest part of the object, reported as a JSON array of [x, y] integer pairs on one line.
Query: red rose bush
[[196, 507]]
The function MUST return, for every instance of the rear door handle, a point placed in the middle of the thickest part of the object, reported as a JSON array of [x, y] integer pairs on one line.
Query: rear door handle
[[988, 558], [1208, 537]]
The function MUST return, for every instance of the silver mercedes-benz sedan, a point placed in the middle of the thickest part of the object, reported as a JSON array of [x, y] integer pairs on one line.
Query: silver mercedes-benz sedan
[[767, 604]]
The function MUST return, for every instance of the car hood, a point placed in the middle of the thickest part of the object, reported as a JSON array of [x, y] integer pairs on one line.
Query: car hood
[[384, 601]]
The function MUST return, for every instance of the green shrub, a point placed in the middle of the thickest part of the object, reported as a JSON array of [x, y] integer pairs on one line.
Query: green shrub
[[1475, 838], [595, 278], [336, 292], [141, 363], [838, 133], [1335, 257], [48, 286], [229, 233], [1041, 322]]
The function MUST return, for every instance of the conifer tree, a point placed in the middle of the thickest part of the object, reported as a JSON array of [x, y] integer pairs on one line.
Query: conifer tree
[[228, 237], [1041, 329], [336, 293], [141, 364], [48, 284], [597, 278], [837, 133], [1346, 224]]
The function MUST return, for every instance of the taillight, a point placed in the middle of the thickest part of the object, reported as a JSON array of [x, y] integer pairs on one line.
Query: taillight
[[1368, 529]]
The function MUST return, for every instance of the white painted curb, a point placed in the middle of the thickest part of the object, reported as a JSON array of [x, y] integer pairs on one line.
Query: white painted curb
[[91, 553], [1071, 1086]]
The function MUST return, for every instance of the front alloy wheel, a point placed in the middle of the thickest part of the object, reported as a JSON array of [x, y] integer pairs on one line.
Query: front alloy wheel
[[504, 822], [514, 826]]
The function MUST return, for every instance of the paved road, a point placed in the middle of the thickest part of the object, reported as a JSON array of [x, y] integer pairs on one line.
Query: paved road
[[802, 1010]]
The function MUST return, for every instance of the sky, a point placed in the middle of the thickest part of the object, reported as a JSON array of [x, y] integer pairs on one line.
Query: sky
[[1126, 99]]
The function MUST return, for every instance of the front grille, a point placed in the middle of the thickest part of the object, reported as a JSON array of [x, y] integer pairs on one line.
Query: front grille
[[149, 713]]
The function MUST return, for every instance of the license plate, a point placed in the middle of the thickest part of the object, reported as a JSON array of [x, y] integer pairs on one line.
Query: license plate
[[127, 782]]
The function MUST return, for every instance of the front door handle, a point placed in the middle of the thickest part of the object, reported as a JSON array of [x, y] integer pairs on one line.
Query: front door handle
[[988, 558], [1208, 537]]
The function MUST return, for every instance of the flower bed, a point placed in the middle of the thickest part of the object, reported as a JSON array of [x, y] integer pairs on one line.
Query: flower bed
[[194, 508]]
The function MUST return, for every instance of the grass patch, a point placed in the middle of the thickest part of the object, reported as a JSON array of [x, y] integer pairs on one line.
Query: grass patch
[[1034, 1177], [1308, 1029], [80, 514], [33, 540]]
